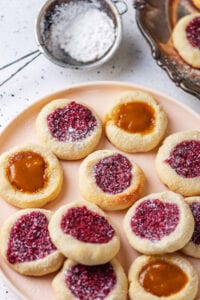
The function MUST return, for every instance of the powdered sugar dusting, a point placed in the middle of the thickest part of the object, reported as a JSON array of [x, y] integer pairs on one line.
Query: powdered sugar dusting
[[154, 219], [29, 239], [91, 282]]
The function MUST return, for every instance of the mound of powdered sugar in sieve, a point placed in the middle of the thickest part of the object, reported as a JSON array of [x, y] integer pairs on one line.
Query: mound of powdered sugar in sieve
[[82, 31]]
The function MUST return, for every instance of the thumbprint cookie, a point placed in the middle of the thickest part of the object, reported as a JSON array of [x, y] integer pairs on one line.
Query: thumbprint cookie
[[136, 123], [186, 39], [167, 277], [70, 129], [193, 246], [178, 162], [159, 223], [196, 3], [26, 244], [103, 282], [30, 176], [82, 232], [110, 179]]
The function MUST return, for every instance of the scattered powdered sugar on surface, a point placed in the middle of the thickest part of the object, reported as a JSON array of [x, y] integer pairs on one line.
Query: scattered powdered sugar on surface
[[81, 30]]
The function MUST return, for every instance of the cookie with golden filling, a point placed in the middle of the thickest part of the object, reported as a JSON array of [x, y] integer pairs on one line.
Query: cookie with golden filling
[[186, 39], [83, 232], [167, 277], [196, 3], [26, 245], [136, 123], [30, 176], [76, 281], [193, 246], [110, 179], [178, 162], [159, 223], [70, 129]]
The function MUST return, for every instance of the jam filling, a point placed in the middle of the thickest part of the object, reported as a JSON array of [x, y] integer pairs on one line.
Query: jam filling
[[29, 239], [91, 282], [72, 123], [113, 174], [27, 171], [134, 117], [195, 208], [193, 32], [87, 226], [154, 219], [162, 278], [185, 159]]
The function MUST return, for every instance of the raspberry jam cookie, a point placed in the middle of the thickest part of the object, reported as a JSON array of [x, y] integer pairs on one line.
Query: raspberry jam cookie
[[26, 245], [136, 123], [186, 39], [30, 176], [103, 282], [110, 179], [82, 232], [159, 223], [70, 129], [167, 277], [193, 247], [178, 163]]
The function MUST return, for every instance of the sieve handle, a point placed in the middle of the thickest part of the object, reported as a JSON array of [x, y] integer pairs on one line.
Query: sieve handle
[[121, 5], [36, 52]]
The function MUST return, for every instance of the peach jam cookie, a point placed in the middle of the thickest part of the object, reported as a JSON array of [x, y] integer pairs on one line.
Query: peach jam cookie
[[136, 123], [83, 232], [167, 277], [103, 282], [193, 247], [26, 245], [30, 176], [70, 129], [110, 179], [178, 162], [159, 223], [196, 3], [186, 39]]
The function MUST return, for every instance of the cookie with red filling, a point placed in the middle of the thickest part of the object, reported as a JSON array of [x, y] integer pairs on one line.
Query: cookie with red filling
[[26, 244], [167, 277], [159, 223], [103, 282], [70, 129], [193, 247], [83, 232], [186, 39], [136, 122], [110, 179], [178, 162], [30, 176]]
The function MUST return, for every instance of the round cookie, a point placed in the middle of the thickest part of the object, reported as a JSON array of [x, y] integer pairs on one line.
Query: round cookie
[[75, 281], [70, 129], [186, 39], [167, 277], [159, 223], [110, 179], [83, 232], [178, 162], [196, 3], [26, 245], [30, 176], [193, 246], [136, 123]]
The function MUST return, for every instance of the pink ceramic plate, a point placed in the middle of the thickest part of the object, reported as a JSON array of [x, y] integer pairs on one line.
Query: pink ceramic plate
[[99, 96]]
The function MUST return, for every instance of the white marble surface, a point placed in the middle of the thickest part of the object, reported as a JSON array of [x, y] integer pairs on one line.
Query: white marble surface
[[132, 63]]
